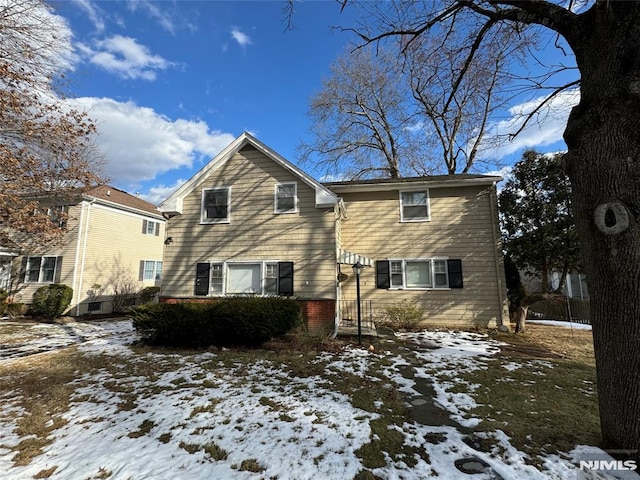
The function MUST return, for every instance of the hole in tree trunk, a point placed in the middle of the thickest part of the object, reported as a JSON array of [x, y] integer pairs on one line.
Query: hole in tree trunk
[[610, 218]]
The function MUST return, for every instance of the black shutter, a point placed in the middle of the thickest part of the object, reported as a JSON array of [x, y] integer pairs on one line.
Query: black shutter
[[383, 277], [141, 271], [455, 273], [144, 226], [285, 278], [202, 279], [157, 229]]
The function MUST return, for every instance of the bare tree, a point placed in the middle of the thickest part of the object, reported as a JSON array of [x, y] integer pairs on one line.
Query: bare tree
[[602, 161], [456, 110], [45, 146], [360, 123]]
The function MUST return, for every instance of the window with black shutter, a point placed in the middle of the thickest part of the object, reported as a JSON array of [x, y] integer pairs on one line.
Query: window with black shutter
[[455, 272], [285, 278], [383, 276]]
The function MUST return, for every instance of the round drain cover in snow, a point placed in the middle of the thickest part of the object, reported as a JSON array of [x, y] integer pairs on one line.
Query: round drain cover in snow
[[471, 465]]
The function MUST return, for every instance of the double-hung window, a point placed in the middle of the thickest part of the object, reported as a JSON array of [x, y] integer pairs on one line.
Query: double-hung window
[[414, 206], [149, 227], [424, 273], [285, 198], [150, 271], [41, 269], [216, 204], [244, 278]]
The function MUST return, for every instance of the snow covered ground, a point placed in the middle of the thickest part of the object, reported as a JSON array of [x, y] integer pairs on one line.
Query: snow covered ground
[[192, 418]]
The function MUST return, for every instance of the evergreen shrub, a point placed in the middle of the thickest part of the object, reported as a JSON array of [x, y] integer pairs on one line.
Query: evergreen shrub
[[233, 321], [52, 300]]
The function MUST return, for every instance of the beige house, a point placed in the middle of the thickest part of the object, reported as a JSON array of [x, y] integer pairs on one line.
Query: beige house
[[250, 222], [113, 243]]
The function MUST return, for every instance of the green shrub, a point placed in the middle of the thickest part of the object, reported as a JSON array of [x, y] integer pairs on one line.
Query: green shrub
[[403, 315], [15, 309], [147, 294], [247, 321], [3, 301], [52, 300]]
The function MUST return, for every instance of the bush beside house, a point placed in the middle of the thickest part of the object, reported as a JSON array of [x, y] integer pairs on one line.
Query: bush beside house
[[232, 321], [52, 300]]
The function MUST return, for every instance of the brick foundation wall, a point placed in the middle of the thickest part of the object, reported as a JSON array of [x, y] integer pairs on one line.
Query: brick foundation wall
[[319, 315]]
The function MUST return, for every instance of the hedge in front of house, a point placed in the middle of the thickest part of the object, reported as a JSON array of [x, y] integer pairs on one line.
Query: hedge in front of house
[[233, 321], [52, 300]]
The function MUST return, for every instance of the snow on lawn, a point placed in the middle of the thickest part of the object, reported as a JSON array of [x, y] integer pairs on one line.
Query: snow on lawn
[[197, 417], [558, 323]]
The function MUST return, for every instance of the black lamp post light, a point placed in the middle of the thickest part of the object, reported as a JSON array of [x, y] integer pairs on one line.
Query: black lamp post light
[[357, 269]]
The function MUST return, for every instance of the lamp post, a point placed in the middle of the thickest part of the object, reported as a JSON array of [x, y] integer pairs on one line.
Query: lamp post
[[357, 269]]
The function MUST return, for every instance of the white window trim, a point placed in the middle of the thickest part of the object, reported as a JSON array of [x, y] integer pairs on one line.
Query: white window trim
[[156, 271], [295, 197], [40, 272], [225, 276], [208, 221], [153, 230], [431, 260], [413, 220]]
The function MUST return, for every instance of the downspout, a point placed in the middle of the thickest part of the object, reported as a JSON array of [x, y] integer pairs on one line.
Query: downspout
[[84, 246], [76, 294], [338, 239], [493, 204]]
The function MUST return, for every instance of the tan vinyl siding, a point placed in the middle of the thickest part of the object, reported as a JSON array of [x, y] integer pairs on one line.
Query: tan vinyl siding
[[115, 247], [461, 227], [65, 249], [103, 245], [254, 232]]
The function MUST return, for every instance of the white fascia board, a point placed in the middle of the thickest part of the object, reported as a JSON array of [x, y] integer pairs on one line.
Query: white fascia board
[[173, 203]]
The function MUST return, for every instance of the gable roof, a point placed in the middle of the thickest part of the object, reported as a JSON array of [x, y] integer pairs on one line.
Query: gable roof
[[173, 203]]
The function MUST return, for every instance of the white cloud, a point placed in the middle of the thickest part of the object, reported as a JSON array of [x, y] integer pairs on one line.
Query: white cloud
[[159, 193], [164, 19], [139, 144], [94, 13], [242, 38], [545, 128], [125, 57]]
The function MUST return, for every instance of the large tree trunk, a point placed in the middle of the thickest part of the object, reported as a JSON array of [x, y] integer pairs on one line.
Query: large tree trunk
[[603, 161]]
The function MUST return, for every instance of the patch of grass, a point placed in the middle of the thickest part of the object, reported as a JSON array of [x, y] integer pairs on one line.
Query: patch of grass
[[215, 452], [542, 409], [41, 387], [251, 465], [144, 428], [164, 438], [209, 408], [190, 447], [45, 473]]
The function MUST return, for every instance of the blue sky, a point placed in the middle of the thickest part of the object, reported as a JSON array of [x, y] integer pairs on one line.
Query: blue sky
[[170, 83]]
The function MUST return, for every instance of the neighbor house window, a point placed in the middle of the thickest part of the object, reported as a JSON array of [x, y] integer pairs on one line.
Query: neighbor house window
[[414, 206], [150, 270], [57, 215], [244, 278], [427, 273], [41, 269], [215, 205], [286, 198], [149, 227]]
